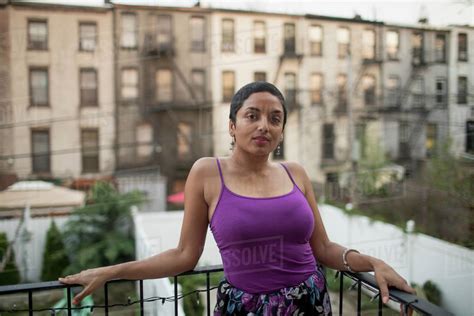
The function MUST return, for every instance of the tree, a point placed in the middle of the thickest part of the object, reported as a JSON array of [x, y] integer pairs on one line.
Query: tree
[[55, 258], [9, 275], [101, 232]]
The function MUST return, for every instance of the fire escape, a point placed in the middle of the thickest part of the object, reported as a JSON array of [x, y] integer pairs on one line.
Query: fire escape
[[167, 112]]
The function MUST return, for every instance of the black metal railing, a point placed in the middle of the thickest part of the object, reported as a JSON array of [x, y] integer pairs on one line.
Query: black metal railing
[[361, 280]]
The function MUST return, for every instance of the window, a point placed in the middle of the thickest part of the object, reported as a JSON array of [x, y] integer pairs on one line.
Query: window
[[88, 87], [164, 32], [341, 92], [129, 88], [418, 92], [316, 40], [470, 137], [228, 85], [289, 38], [144, 140], [259, 37], [39, 87], [198, 79], [462, 47], [328, 141], [90, 150], [440, 48], [197, 25], [290, 89], [260, 76], [441, 91], [368, 84], [393, 91], [393, 44], [227, 44], [184, 140], [417, 48], [129, 31], [87, 36], [343, 39], [316, 82], [361, 131], [462, 90], [403, 140], [164, 85], [37, 35], [368, 44], [40, 148], [431, 131]]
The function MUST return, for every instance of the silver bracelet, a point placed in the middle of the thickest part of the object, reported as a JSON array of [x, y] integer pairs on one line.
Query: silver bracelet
[[344, 259]]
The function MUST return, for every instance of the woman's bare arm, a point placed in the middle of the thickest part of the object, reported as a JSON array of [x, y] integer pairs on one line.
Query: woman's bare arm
[[329, 253], [168, 263]]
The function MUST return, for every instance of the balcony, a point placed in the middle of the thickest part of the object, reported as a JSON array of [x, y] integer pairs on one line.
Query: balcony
[[361, 282]]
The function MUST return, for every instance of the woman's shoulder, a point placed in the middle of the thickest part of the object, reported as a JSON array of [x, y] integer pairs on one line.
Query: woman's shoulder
[[295, 168], [205, 166]]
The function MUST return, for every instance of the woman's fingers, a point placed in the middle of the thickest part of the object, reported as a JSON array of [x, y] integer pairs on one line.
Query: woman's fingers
[[383, 287], [70, 279], [78, 298]]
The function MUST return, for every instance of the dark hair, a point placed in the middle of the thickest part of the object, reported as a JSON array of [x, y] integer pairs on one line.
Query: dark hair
[[244, 93]]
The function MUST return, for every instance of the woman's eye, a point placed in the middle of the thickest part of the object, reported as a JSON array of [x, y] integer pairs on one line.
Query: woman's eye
[[276, 119], [252, 116]]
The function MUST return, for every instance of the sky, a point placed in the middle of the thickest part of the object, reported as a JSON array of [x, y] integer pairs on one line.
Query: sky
[[439, 12]]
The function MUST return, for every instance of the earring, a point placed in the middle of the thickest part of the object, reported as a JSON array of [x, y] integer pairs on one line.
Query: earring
[[232, 143], [278, 150]]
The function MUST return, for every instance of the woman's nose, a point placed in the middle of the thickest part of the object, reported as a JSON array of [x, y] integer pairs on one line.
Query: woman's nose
[[263, 125]]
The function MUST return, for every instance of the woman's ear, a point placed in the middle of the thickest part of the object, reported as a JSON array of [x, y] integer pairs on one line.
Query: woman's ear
[[231, 128]]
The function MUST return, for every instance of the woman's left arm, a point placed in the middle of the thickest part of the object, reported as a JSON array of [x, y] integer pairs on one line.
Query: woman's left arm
[[330, 254]]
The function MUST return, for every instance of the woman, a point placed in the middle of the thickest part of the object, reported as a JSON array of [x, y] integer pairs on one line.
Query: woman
[[265, 221]]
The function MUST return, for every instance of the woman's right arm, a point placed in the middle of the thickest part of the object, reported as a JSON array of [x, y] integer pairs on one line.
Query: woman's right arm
[[168, 263]]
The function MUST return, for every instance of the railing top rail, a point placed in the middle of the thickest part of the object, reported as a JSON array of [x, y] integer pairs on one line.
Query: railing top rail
[[417, 303], [368, 279]]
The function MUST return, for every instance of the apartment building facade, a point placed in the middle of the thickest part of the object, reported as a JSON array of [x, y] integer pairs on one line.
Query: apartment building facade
[[163, 91], [58, 110], [461, 90]]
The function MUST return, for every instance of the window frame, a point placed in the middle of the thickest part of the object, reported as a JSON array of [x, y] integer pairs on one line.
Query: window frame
[[135, 32], [30, 45], [462, 98], [201, 48], [464, 49], [134, 68], [230, 46], [328, 142], [172, 88], [30, 83], [83, 169], [263, 48], [96, 37], [82, 102], [340, 54], [445, 48], [228, 97], [48, 153], [395, 56], [311, 42]]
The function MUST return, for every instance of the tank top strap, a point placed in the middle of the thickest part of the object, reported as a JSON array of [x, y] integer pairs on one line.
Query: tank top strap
[[289, 174], [220, 171]]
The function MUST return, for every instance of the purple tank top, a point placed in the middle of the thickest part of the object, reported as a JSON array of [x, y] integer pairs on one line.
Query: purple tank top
[[264, 242]]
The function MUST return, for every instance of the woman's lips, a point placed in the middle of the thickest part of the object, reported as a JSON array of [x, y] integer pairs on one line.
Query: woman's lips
[[261, 140]]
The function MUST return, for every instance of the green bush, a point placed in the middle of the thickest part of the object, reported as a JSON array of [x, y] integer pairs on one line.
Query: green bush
[[101, 232], [55, 259], [10, 274], [432, 292]]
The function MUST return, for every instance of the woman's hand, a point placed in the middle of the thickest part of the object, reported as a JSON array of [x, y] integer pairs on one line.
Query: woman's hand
[[90, 279], [386, 276]]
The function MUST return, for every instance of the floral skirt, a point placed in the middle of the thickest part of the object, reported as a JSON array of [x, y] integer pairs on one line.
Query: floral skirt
[[307, 298]]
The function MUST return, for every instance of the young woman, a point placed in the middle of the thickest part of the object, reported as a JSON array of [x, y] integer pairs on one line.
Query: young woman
[[265, 221]]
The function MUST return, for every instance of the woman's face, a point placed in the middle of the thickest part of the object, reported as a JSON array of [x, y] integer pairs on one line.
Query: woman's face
[[259, 124]]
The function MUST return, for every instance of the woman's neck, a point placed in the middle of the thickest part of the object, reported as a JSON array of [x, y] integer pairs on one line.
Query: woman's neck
[[253, 163]]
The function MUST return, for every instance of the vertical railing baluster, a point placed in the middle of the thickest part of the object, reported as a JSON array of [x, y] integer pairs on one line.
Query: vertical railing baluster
[[106, 298], [30, 303], [142, 309], [380, 304], [341, 291], [69, 303], [359, 297], [176, 295], [208, 288]]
